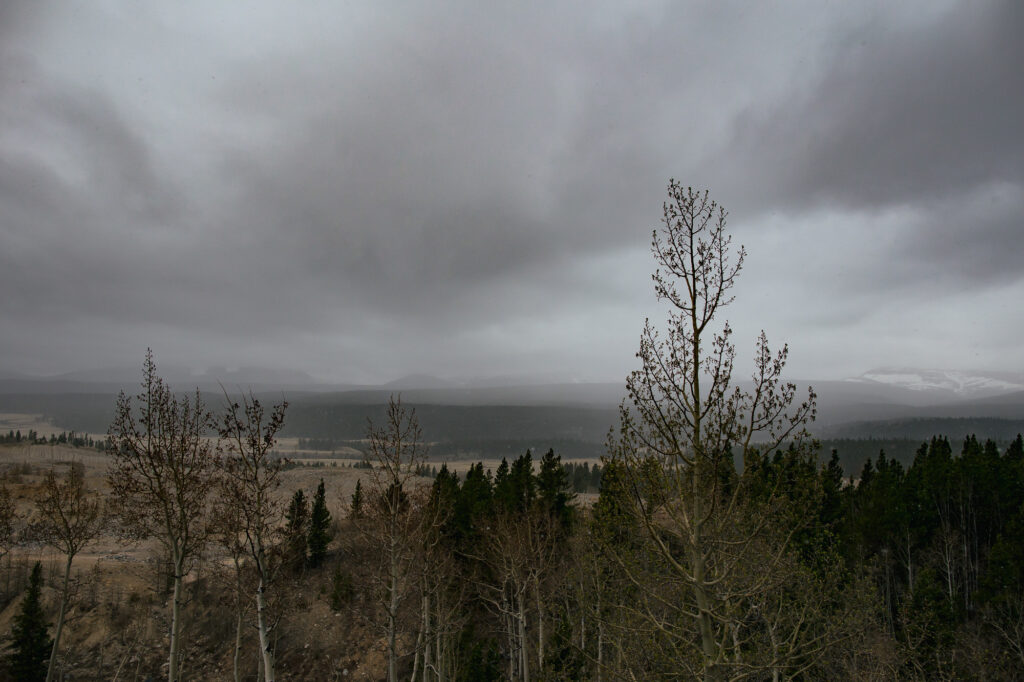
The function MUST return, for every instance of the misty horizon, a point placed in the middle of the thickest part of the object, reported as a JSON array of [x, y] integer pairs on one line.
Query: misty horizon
[[285, 375]]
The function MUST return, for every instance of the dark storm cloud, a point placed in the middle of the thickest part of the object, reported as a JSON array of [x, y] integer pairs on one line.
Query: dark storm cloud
[[454, 189], [89, 227], [901, 116], [445, 163], [917, 127], [969, 239]]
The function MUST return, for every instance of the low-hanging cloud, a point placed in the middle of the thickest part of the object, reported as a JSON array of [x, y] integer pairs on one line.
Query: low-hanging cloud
[[402, 190]]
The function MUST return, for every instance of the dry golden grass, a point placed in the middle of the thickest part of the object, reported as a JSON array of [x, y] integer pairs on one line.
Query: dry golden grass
[[117, 618]]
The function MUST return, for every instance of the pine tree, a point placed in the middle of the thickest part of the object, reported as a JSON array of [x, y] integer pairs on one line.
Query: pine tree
[[319, 527], [475, 503], [356, 508], [295, 530], [31, 642], [515, 486], [554, 490]]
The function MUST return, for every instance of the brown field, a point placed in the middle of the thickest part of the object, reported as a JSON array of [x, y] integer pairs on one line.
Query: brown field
[[16, 421], [24, 466], [117, 619]]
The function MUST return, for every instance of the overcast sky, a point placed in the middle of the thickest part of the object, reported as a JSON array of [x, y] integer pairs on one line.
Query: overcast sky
[[363, 190]]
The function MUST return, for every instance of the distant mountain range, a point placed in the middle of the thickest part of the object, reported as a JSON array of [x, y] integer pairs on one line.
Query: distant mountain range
[[893, 402], [180, 378]]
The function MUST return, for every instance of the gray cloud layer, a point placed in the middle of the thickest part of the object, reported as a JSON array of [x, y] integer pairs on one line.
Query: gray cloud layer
[[363, 192]]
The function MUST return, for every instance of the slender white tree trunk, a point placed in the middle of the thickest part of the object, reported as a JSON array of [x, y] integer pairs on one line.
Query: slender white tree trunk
[[419, 651], [393, 613], [266, 649], [238, 647], [967, 573], [947, 557], [775, 653], [708, 644], [174, 657], [540, 623], [522, 641], [438, 657], [60, 619], [513, 650], [426, 636]]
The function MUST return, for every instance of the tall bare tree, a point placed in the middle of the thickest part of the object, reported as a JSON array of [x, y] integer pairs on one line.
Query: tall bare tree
[[712, 547], [442, 591], [251, 479], [398, 514], [518, 551], [229, 532], [161, 474], [70, 518]]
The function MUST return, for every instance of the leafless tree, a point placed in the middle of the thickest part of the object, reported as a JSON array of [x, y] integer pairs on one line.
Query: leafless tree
[[397, 515], [518, 551], [442, 610], [229, 532], [161, 474], [1006, 618], [70, 518], [251, 477], [712, 550]]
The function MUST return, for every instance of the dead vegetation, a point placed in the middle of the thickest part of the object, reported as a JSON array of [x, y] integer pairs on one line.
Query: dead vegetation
[[118, 619]]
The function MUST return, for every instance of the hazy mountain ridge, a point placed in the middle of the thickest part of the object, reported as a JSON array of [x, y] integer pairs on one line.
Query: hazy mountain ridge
[[912, 386], [114, 379], [893, 403]]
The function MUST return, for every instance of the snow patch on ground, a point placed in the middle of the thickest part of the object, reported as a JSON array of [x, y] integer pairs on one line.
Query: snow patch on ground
[[963, 383]]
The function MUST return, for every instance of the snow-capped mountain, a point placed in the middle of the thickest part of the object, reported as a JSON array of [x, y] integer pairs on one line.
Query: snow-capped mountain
[[959, 383]]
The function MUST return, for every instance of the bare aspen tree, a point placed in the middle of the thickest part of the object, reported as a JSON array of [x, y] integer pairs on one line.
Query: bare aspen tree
[[442, 593], [251, 477], [590, 582], [442, 612], [518, 551], [710, 549], [70, 518], [229, 531], [161, 474], [397, 516]]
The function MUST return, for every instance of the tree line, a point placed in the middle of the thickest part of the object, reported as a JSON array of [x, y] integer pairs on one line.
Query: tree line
[[69, 438]]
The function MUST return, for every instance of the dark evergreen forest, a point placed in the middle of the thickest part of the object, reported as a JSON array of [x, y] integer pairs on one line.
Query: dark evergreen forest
[[913, 572]]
